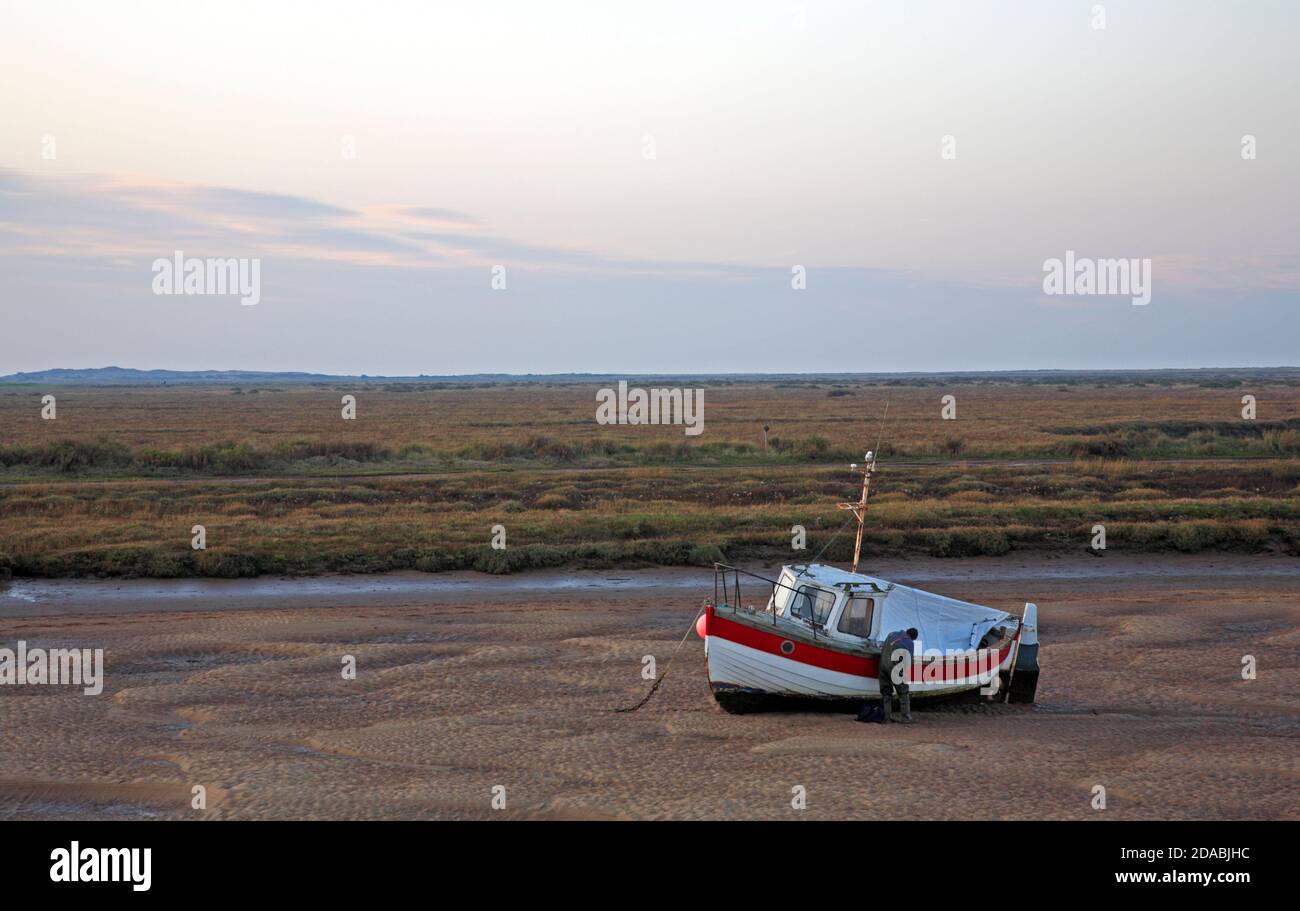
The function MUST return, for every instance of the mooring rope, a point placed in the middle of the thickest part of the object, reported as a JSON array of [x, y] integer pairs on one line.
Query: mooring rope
[[654, 689], [633, 708], [832, 540]]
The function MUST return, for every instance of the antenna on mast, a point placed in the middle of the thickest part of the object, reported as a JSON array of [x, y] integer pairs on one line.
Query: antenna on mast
[[859, 508], [881, 438]]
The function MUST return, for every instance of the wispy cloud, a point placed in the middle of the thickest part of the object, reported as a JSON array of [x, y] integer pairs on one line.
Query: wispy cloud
[[398, 289], [428, 213], [121, 218], [116, 217]]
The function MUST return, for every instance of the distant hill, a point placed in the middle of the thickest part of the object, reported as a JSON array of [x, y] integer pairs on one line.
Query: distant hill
[[128, 376]]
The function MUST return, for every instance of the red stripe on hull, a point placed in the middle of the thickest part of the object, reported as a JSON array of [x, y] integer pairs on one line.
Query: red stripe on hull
[[764, 641], [829, 659]]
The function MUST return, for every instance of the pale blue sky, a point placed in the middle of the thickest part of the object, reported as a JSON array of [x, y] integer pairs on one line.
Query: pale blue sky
[[514, 133]]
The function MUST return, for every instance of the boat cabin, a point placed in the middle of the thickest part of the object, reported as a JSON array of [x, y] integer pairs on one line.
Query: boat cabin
[[838, 604]]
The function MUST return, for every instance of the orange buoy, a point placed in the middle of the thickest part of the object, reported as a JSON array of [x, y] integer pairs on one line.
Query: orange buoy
[[702, 625]]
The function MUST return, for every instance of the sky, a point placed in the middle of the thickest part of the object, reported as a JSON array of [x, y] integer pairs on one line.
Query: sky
[[644, 179]]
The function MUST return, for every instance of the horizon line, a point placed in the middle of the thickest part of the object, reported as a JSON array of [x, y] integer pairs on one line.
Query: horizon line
[[54, 373]]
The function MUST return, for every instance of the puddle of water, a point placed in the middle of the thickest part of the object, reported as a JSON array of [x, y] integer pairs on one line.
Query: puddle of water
[[35, 597], [40, 590]]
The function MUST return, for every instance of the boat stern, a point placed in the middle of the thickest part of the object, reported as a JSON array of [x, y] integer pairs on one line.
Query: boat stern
[[1023, 682]]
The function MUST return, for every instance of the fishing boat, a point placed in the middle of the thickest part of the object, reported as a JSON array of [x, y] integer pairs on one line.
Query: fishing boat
[[819, 630]]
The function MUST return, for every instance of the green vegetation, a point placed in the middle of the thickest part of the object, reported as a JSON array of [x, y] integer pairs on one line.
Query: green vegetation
[[283, 485], [1140, 440], [637, 517]]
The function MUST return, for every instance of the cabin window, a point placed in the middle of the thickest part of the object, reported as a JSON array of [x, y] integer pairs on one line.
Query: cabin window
[[812, 603], [781, 595], [856, 619]]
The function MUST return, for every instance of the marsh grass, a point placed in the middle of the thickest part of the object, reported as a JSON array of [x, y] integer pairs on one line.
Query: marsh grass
[[283, 485]]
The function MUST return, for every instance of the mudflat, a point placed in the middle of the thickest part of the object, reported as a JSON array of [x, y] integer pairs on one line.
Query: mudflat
[[465, 685]]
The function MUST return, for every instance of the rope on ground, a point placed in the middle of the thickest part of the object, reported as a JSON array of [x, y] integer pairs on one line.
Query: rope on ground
[[667, 666], [654, 689]]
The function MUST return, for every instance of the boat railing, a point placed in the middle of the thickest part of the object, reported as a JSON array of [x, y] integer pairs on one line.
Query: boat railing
[[726, 583]]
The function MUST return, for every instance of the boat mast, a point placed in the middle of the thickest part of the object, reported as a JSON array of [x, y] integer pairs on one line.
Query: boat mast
[[868, 469], [860, 507]]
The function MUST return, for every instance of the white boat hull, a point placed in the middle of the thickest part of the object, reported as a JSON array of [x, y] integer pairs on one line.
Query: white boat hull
[[762, 659]]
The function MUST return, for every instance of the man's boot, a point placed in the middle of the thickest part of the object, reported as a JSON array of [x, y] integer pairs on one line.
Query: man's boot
[[905, 705], [885, 705]]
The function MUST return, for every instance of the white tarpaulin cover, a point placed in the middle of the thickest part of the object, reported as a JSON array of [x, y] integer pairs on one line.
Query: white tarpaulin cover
[[944, 623]]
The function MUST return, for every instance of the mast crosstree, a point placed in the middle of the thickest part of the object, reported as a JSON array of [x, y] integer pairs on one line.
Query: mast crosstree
[[859, 508]]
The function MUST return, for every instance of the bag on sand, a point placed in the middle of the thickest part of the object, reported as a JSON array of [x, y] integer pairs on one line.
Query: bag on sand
[[872, 713]]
